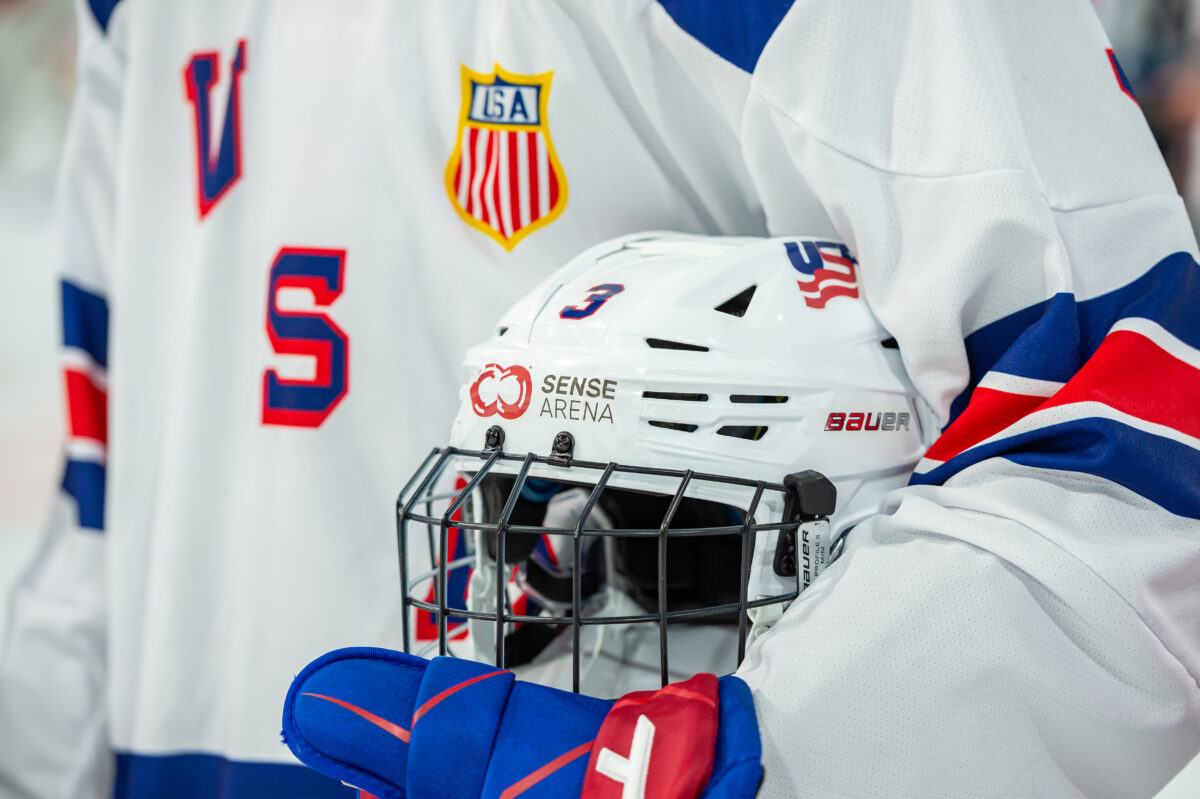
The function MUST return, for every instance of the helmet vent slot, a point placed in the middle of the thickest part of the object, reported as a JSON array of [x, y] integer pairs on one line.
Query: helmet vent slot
[[502, 331], [758, 398], [680, 426], [675, 395], [890, 344], [663, 344], [738, 304], [746, 431]]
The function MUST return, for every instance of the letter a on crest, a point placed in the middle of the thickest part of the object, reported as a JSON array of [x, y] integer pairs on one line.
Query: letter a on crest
[[504, 178]]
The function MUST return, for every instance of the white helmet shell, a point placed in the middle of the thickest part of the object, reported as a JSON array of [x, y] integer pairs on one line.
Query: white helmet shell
[[701, 353]]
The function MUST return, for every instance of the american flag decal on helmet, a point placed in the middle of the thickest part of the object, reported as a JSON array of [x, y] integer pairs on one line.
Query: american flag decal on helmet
[[826, 271], [504, 178]]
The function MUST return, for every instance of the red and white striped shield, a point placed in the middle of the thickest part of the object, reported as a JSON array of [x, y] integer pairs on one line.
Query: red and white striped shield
[[504, 177]]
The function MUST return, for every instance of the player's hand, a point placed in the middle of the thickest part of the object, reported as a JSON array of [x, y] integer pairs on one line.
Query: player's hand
[[395, 725]]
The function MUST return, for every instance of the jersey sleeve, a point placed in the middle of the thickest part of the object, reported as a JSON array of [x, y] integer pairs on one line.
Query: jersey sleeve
[[52, 668], [1022, 619]]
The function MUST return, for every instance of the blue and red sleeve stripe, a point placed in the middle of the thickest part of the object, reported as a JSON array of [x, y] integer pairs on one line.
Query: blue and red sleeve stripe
[[1106, 386], [85, 377]]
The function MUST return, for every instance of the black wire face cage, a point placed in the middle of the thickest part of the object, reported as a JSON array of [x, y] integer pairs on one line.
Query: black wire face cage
[[805, 497]]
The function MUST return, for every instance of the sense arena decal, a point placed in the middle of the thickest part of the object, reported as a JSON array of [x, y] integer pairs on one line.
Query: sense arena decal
[[578, 399], [502, 390], [506, 391]]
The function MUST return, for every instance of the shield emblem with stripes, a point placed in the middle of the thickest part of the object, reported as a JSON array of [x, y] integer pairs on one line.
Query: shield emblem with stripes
[[504, 177]]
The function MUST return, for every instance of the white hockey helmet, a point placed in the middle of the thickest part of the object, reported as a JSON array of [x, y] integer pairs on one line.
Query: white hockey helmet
[[696, 403]]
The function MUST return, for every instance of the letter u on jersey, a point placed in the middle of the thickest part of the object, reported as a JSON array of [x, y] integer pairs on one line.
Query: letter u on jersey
[[216, 172], [504, 178]]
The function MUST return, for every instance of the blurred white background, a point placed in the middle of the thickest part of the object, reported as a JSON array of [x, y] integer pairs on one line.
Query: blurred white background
[[1153, 38], [37, 51]]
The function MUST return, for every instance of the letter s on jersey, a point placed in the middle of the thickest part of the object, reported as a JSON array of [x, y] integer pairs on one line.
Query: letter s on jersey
[[306, 403]]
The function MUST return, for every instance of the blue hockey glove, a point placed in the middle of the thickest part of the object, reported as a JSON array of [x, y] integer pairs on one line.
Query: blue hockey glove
[[395, 725]]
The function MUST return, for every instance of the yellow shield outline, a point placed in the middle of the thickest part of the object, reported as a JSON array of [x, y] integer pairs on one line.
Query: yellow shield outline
[[470, 76]]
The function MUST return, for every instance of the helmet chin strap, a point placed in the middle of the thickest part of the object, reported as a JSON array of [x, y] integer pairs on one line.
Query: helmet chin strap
[[762, 619]]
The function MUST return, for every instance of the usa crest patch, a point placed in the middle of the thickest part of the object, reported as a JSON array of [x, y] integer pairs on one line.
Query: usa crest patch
[[504, 178]]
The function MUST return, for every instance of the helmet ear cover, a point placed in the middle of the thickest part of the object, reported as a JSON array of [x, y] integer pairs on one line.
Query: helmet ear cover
[[702, 571]]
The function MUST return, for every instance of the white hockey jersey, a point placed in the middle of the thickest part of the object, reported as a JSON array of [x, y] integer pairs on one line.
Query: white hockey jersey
[[284, 223]]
